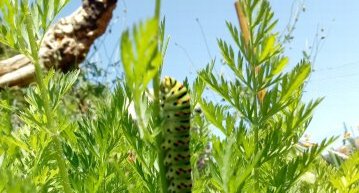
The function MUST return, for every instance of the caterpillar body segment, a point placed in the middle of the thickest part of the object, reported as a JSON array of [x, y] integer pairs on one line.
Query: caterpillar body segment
[[176, 112]]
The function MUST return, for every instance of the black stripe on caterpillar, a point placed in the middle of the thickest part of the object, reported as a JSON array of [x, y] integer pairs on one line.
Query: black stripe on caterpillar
[[176, 114]]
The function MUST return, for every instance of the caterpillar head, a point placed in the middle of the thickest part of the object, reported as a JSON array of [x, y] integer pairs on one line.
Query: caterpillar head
[[167, 84]]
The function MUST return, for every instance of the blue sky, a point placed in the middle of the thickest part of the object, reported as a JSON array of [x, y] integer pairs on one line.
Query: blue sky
[[336, 67]]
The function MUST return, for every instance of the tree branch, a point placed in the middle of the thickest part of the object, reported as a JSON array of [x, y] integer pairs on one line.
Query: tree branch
[[65, 44]]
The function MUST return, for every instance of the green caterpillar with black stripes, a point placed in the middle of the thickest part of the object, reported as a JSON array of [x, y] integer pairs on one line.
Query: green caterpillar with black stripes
[[176, 114]]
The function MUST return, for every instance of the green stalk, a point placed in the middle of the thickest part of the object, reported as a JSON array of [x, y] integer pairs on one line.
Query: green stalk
[[142, 126], [156, 89], [45, 97], [245, 23], [158, 10], [162, 170]]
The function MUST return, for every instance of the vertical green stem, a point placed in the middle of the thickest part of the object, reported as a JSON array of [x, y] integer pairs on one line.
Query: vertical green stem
[[156, 89], [162, 170], [158, 10], [140, 121], [244, 23], [45, 97]]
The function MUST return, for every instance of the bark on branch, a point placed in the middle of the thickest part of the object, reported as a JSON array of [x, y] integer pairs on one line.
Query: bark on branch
[[65, 44]]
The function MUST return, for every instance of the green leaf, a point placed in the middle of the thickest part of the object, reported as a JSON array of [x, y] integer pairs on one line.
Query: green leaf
[[140, 55], [296, 79], [215, 114], [269, 48], [22, 18], [280, 66]]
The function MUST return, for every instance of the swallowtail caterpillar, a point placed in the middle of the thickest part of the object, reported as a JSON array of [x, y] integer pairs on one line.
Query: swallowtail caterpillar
[[176, 112]]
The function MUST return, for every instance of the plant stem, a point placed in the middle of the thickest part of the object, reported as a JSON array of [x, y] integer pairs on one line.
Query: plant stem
[[162, 169], [243, 22], [156, 90], [245, 31], [46, 101], [140, 121], [158, 10]]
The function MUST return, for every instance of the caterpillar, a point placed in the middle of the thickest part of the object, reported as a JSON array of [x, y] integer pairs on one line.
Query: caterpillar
[[176, 112]]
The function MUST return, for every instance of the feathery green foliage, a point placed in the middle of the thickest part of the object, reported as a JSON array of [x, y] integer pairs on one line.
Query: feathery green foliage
[[68, 134], [18, 15], [261, 116]]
